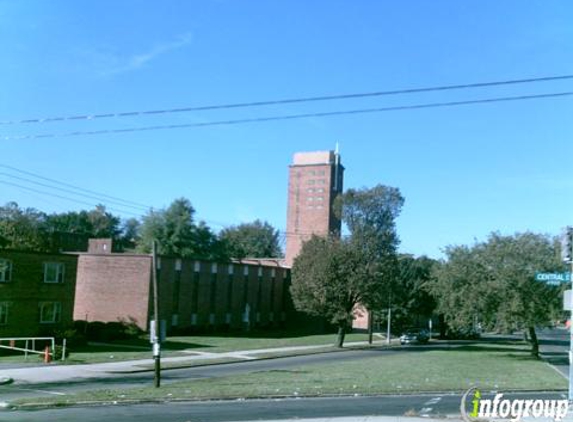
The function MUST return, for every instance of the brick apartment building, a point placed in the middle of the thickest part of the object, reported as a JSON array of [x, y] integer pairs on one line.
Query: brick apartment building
[[193, 294], [42, 291], [36, 292]]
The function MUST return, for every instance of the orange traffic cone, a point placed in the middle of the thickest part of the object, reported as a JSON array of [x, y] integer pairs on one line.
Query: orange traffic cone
[[47, 357]]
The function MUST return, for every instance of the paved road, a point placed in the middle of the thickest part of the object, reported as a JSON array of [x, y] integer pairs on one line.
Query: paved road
[[554, 346], [423, 405]]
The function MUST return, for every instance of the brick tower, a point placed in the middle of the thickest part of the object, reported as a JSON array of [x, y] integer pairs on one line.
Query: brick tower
[[315, 179]]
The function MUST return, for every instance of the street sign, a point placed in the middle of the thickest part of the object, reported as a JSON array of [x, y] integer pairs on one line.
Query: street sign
[[567, 301], [554, 279]]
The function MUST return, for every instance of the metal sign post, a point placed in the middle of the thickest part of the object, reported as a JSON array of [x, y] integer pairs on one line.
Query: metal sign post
[[567, 257], [570, 396]]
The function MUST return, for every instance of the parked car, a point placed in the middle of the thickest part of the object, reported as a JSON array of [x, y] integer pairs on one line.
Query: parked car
[[415, 336]]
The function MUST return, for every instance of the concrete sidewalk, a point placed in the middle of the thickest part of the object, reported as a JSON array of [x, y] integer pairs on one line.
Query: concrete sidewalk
[[60, 373]]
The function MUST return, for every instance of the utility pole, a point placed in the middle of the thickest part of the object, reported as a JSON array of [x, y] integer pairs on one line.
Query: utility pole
[[156, 327], [388, 323], [370, 326]]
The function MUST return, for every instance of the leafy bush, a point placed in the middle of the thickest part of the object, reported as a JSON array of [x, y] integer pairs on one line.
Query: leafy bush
[[109, 331]]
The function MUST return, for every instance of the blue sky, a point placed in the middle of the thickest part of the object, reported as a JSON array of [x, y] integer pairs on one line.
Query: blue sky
[[464, 171]]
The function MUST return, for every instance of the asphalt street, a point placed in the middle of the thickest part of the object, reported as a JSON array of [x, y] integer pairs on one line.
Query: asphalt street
[[554, 345], [433, 405]]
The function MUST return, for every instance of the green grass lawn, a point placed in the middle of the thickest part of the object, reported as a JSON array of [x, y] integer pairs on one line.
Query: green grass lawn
[[141, 349], [500, 367]]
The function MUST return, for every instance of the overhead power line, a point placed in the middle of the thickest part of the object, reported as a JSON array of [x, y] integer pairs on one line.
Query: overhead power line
[[289, 100], [105, 197], [67, 198], [291, 116], [46, 185]]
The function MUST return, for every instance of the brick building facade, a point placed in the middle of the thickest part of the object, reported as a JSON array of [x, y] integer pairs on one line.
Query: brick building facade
[[43, 291], [36, 292], [193, 294], [315, 180]]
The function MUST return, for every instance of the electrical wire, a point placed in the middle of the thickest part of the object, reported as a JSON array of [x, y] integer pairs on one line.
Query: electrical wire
[[292, 116], [64, 197], [289, 100], [67, 190], [98, 194]]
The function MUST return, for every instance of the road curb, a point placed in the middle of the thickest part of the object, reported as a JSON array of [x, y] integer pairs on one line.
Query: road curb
[[128, 402]]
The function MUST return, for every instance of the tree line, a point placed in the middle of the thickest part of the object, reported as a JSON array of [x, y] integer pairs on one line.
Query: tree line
[[175, 228], [488, 286]]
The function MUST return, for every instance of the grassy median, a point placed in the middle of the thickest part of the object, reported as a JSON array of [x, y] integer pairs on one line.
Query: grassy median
[[499, 367]]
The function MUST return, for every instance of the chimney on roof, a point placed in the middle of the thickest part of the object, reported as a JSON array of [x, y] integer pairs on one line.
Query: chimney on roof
[[99, 246]]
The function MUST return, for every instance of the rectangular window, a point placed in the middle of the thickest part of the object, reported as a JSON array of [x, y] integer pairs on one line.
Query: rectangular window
[[176, 291], [3, 313], [272, 294], [50, 312], [53, 272], [213, 292], [5, 271], [259, 293], [230, 293], [195, 292]]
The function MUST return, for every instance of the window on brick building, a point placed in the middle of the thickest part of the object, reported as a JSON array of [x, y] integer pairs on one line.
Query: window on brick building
[[3, 313], [5, 271], [53, 272], [50, 312]]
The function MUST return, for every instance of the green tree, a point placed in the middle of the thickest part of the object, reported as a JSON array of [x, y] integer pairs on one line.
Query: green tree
[[410, 301], [177, 234], [330, 277], [369, 215], [23, 229], [326, 281], [254, 240], [494, 282], [96, 223], [129, 233]]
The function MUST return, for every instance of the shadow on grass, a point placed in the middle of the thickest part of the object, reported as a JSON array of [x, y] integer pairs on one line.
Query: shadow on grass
[[192, 341]]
